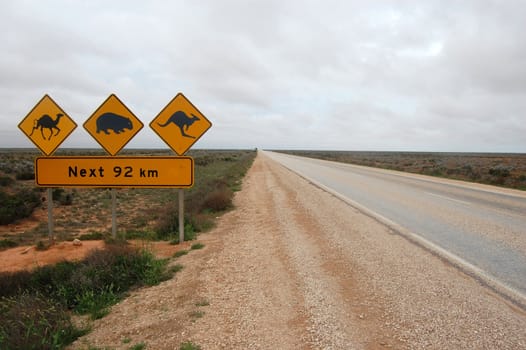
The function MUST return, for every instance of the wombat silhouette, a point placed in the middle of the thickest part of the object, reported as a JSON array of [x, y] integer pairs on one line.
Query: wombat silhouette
[[45, 121], [183, 121], [112, 121]]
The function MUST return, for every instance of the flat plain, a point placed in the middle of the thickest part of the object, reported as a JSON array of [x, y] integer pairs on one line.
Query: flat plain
[[499, 169]]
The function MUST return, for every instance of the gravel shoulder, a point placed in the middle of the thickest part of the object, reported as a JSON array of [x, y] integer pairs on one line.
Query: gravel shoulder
[[293, 267]]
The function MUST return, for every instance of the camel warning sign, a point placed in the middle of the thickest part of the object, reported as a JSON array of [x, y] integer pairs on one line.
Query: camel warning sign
[[180, 124], [113, 125], [47, 125]]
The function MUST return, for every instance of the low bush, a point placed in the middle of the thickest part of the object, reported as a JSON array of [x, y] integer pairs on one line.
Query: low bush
[[203, 160], [7, 243], [197, 246], [92, 236], [61, 196], [167, 227], [6, 181], [500, 170], [140, 234], [25, 175], [39, 320], [218, 200], [31, 321], [189, 346], [41, 245], [180, 253], [138, 346], [18, 205]]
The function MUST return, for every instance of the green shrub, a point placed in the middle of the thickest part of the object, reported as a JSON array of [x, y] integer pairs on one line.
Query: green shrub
[[41, 246], [96, 303], [168, 227], [180, 253], [197, 246], [17, 206], [7, 243], [14, 283], [103, 274], [31, 321], [201, 221], [218, 200], [203, 160], [189, 346], [61, 196], [500, 171], [138, 346], [176, 268], [33, 305], [25, 175], [6, 181], [92, 236], [141, 234]]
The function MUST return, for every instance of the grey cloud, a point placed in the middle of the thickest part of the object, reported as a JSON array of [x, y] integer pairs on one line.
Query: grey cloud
[[411, 75]]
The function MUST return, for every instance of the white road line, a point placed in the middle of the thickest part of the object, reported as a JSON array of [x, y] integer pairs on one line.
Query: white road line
[[447, 198]]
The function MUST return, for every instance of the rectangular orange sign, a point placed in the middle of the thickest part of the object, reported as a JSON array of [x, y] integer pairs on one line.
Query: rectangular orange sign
[[80, 171]]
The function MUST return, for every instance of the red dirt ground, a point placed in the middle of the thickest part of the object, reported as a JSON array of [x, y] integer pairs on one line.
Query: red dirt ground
[[28, 258]]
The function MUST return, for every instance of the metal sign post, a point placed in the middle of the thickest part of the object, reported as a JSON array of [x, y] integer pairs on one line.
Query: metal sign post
[[113, 213], [181, 215], [50, 213]]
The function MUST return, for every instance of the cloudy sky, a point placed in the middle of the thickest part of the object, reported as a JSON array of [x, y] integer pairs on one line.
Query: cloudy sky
[[421, 75]]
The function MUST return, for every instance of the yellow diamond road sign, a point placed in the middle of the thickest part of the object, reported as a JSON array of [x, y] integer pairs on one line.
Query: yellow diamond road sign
[[113, 125], [47, 125], [180, 124]]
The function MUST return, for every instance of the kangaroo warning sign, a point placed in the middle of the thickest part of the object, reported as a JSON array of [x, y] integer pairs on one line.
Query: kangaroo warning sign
[[47, 125], [180, 124], [113, 125]]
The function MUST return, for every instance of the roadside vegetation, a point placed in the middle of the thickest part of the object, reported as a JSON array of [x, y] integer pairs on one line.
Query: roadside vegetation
[[507, 170], [36, 306], [141, 213]]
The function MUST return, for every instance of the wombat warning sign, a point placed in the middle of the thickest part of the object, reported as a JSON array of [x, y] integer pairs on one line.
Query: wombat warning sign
[[113, 125]]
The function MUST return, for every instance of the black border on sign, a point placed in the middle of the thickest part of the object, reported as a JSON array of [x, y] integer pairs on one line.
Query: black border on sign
[[96, 111], [165, 107], [62, 111], [116, 186]]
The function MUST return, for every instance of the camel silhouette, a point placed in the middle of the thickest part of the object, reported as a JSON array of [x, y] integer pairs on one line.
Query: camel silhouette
[[47, 122]]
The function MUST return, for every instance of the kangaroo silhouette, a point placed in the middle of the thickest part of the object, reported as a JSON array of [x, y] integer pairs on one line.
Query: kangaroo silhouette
[[183, 121], [47, 122]]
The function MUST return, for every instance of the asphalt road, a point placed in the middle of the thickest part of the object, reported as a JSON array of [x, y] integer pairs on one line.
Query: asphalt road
[[484, 226]]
